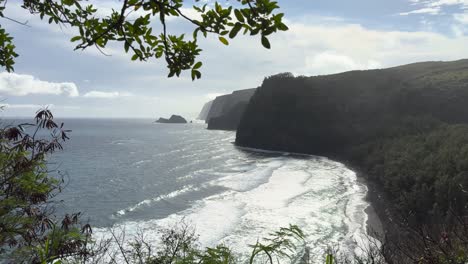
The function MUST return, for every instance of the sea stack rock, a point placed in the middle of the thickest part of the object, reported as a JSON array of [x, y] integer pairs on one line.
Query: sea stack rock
[[174, 119]]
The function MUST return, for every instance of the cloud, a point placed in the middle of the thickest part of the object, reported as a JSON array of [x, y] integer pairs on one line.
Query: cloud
[[38, 106], [461, 18], [212, 96], [106, 95], [24, 106], [312, 49], [327, 62], [22, 84], [313, 45], [434, 7], [440, 3], [426, 10]]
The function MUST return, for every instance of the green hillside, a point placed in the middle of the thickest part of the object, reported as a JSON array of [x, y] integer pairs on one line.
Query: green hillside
[[403, 127]]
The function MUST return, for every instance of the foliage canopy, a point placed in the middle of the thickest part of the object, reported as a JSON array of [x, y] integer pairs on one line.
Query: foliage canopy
[[142, 27]]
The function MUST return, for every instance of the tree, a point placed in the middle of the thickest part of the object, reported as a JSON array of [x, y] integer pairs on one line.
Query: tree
[[29, 231], [147, 36]]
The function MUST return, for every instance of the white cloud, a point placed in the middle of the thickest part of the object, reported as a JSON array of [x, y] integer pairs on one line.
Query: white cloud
[[447, 2], [312, 46], [327, 62], [461, 18], [435, 3], [212, 96], [106, 95], [312, 49], [23, 106], [426, 10], [38, 106], [434, 7], [22, 84]]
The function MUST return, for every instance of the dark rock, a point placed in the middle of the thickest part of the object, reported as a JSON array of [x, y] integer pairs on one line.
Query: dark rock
[[174, 119]]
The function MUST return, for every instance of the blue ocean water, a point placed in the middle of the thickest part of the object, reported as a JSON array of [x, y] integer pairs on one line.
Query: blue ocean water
[[140, 176]]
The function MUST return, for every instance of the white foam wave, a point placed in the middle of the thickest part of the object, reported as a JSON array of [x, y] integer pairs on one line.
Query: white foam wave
[[148, 202], [138, 163], [125, 141], [323, 197]]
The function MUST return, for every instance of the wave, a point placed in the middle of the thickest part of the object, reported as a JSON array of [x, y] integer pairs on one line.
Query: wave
[[321, 196], [148, 202], [126, 142], [138, 163], [284, 153]]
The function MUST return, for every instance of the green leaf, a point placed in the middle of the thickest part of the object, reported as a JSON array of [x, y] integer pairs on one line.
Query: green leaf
[[75, 38], [282, 27], [197, 65], [195, 75], [218, 8], [266, 42], [195, 33], [198, 74], [235, 30], [224, 41], [239, 15], [68, 2]]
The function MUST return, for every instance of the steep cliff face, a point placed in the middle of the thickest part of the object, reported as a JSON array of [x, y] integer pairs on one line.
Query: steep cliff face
[[325, 114], [217, 107], [405, 128], [225, 110], [229, 120], [240, 96], [205, 110]]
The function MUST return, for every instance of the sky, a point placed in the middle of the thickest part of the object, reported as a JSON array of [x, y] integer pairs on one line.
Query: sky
[[325, 36]]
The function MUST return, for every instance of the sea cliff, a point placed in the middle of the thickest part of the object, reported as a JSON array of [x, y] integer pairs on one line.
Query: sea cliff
[[226, 110], [403, 128], [205, 110]]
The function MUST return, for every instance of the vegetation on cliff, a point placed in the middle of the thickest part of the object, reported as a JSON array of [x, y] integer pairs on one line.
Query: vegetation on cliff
[[405, 128]]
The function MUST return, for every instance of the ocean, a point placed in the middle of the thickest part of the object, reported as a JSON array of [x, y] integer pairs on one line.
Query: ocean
[[139, 176]]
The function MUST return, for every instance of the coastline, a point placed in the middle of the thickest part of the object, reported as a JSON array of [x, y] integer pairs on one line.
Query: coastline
[[374, 224]]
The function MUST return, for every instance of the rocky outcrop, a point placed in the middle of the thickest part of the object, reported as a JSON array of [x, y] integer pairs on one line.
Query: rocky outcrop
[[174, 119], [205, 110], [223, 106]]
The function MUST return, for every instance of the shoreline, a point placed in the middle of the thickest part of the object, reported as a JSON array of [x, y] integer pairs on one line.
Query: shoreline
[[374, 224]]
